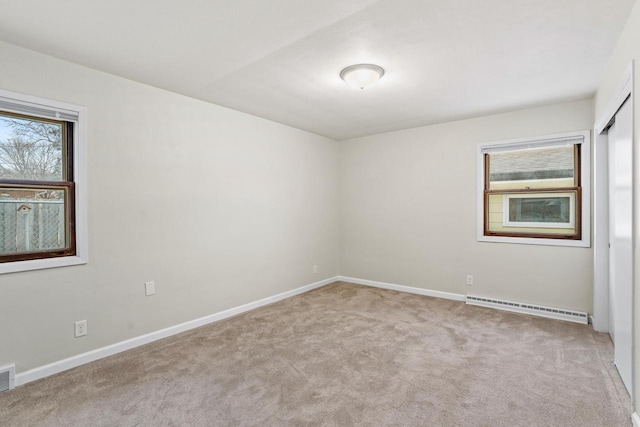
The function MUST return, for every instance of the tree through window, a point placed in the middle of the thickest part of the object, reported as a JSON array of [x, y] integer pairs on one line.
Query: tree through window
[[36, 188]]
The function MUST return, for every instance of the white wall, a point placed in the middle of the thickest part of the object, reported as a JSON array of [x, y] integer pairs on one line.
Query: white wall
[[270, 210], [408, 213], [626, 51], [218, 207]]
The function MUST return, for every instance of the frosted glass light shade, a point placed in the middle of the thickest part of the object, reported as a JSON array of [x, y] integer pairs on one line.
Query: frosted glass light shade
[[361, 76]]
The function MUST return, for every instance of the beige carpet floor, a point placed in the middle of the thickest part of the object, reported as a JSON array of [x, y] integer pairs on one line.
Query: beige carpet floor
[[344, 355]]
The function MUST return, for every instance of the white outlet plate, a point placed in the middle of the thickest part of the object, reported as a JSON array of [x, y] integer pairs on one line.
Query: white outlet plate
[[150, 288], [315, 269], [80, 328], [469, 280]]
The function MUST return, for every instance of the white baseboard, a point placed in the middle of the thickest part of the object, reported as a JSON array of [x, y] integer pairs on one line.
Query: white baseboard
[[402, 288], [90, 356], [636, 419]]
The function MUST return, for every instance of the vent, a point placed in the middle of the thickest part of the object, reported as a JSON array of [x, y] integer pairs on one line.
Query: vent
[[7, 377], [536, 310]]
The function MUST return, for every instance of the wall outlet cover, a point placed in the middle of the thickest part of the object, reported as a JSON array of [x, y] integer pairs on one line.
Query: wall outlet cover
[[150, 288], [80, 328]]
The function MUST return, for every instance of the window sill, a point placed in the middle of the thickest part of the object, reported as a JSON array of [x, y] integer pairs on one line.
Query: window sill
[[536, 241], [39, 264]]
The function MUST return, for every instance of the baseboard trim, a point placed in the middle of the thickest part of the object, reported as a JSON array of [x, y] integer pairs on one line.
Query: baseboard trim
[[100, 353], [636, 419], [402, 288]]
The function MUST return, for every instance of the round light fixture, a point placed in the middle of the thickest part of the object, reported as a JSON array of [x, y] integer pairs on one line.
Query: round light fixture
[[361, 76]]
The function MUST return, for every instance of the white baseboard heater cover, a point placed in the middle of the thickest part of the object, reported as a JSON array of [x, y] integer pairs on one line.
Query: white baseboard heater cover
[[7, 377], [535, 310]]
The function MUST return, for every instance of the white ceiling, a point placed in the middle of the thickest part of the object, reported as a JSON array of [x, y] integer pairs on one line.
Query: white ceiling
[[280, 59]]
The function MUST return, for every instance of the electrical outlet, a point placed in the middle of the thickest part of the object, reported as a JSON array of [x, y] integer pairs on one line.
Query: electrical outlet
[[80, 328], [150, 288], [315, 269], [469, 280]]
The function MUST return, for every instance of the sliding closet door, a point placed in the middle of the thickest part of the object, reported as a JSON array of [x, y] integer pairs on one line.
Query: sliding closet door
[[620, 238]]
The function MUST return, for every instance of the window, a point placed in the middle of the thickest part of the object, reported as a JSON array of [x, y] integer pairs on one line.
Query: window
[[535, 190], [42, 202]]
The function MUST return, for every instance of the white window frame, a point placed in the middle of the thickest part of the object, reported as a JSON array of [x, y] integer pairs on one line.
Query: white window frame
[[40, 107], [545, 140]]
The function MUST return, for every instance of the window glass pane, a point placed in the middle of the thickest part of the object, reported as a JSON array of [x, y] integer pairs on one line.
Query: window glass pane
[[548, 167], [539, 210], [532, 213], [31, 149], [32, 219]]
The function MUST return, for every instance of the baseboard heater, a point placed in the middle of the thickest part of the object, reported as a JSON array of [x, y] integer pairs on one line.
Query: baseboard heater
[[535, 310], [7, 377]]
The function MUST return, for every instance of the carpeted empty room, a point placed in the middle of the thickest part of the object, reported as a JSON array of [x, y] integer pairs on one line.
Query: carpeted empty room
[[344, 355], [320, 213]]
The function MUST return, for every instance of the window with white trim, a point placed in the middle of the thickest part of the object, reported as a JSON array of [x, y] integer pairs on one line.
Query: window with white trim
[[535, 190], [41, 178]]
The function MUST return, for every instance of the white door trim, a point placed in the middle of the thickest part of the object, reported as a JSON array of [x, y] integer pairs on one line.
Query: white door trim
[[625, 89]]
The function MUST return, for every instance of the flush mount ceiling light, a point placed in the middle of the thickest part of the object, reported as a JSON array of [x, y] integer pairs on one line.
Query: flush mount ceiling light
[[361, 76]]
